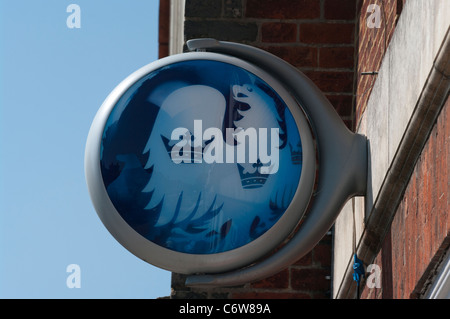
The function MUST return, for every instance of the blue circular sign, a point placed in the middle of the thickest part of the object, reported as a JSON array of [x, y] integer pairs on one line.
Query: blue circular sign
[[200, 155]]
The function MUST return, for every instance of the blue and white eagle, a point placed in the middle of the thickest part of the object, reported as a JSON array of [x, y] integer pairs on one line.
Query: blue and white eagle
[[206, 201]]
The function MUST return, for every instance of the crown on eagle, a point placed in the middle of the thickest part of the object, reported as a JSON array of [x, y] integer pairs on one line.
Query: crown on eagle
[[252, 180], [296, 154]]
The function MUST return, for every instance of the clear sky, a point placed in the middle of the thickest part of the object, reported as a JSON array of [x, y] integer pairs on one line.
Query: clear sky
[[53, 79]]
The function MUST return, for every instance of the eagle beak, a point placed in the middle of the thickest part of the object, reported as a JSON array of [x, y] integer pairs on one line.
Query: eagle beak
[[237, 93]]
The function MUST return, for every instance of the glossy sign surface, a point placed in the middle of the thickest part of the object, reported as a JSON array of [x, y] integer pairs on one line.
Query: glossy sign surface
[[201, 164]]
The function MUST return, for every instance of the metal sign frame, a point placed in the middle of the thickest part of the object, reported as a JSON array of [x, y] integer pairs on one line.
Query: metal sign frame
[[198, 263]]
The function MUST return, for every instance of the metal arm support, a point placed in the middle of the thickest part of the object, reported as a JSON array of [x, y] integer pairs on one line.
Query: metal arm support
[[342, 164]]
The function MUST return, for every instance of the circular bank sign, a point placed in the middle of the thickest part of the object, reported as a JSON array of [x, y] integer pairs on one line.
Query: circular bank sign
[[200, 162]]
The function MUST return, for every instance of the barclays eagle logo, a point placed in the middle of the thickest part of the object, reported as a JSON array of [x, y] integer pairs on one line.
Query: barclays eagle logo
[[198, 164]]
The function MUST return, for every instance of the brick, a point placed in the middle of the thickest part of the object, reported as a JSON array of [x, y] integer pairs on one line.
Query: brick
[[297, 56], [415, 229], [432, 227], [332, 81], [283, 9], [337, 57], [305, 260], [278, 32], [219, 295], [203, 9], [342, 104], [269, 295], [409, 239], [447, 151], [327, 33], [321, 295], [322, 255], [384, 260], [163, 50], [221, 30], [233, 9], [278, 281], [310, 279], [188, 295], [442, 167], [412, 215], [366, 294], [340, 10], [163, 30], [164, 16], [350, 124], [419, 251], [397, 255]]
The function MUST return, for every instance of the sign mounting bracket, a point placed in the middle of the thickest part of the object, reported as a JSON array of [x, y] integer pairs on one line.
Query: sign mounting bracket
[[343, 162]]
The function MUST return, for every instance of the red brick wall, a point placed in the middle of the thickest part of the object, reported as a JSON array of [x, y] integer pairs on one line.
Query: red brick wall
[[316, 36], [164, 28], [420, 231], [308, 278]]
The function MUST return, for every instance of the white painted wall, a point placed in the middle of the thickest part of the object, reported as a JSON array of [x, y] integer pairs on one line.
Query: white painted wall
[[176, 33]]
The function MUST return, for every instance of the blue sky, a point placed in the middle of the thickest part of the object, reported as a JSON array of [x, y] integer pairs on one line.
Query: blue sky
[[53, 79]]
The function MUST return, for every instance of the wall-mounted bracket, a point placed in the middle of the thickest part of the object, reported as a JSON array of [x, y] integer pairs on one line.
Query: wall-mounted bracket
[[342, 164]]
